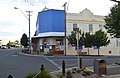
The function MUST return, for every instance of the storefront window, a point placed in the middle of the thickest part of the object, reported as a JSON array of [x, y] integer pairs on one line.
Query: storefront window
[[59, 44]]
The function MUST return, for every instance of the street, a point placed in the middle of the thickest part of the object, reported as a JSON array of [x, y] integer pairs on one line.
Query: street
[[19, 65]]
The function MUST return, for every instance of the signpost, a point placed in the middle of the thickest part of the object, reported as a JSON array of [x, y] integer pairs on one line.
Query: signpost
[[78, 51], [77, 37]]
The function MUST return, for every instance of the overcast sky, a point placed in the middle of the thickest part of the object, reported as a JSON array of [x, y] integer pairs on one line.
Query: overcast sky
[[13, 23]]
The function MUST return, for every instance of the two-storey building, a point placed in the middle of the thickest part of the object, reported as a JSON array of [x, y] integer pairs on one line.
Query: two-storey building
[[50, 32]]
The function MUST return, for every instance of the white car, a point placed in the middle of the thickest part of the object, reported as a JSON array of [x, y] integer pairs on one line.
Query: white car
[[3, 47]]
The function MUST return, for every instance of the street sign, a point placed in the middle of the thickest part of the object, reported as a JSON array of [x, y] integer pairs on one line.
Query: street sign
[[95, 47], [78, 48]]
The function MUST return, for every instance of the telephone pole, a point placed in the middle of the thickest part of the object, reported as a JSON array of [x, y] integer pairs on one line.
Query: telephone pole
[[65, 26], [29, 14]]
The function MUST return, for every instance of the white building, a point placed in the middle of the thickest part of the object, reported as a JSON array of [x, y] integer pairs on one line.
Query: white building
[[88, 22]]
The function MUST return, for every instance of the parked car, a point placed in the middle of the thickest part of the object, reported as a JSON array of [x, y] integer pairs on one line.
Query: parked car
[[3, 47]]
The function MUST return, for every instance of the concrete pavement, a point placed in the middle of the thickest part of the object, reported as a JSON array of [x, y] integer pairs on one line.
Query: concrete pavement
[[109, 74], [113, 76], [113, 70]]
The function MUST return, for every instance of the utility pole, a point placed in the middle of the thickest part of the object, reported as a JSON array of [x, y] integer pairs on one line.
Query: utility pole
[[28, 18], [65, 26], [29, 14]]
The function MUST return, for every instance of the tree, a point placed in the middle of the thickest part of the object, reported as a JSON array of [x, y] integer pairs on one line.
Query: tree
[[88, 40], [24, 40], [100, 39], [113, 21], [72, 38], [10, 44]]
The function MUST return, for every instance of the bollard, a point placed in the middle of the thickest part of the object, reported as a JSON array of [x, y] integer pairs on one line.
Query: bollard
[[10, 76], [63, 67], [80, 63], [42, 68]]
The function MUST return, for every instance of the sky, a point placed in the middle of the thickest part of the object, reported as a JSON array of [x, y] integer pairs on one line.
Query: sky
[[13, 22]]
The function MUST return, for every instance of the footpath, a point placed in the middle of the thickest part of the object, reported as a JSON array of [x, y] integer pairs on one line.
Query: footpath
[[113, 71]]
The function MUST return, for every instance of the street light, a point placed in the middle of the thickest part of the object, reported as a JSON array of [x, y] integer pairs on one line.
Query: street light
[[79, 58], [28, 18], [77, 37], [22, 12]]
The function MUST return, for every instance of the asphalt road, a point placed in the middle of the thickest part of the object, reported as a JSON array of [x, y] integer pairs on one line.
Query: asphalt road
[[20, 65], [11, 62]]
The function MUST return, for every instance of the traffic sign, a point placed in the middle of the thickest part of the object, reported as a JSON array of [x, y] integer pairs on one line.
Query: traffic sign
[[78, 48]]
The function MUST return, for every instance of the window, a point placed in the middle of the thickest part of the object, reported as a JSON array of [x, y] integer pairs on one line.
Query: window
[[117, 42], [110, 52], [59, 42], [100, 27], [90, 28], [75, 27]]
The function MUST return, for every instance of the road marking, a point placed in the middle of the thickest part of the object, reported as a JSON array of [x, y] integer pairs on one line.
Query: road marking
[[14, 55], [50, 62], [59, 67]]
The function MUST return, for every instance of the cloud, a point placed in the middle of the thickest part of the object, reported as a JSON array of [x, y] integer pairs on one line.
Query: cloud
[[12, 36], [13, 22], [2, 33]]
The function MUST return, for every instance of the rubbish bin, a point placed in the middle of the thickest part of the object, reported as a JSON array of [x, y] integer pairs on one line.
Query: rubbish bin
[[100, 67]]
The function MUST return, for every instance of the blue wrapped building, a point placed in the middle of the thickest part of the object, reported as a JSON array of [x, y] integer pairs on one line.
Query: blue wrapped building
[[49, 32]]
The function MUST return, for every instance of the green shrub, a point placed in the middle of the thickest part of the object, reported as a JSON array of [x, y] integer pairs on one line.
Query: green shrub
[[60, 75], [78, 70], [68, 74], [44, 74]]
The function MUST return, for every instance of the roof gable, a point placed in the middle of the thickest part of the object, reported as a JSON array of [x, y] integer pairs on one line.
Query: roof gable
[[86, 12]]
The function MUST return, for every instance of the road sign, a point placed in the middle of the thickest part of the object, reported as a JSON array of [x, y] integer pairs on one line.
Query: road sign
[[78, 48], [95, 47]]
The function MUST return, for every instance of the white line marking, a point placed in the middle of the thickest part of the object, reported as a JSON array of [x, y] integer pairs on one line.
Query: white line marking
[[14, 55], [59, 67]]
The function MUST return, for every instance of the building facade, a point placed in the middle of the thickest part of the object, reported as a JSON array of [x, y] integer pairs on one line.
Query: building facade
[[50, 32]]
